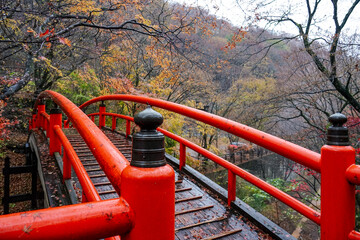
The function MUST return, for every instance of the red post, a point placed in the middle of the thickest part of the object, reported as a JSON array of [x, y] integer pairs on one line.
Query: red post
[[102, 109], [182, 156], [147, 183], [47, 127], [83, 198], [66, 167], [66, 123], [55, 119], [231, 187], [41, 109], [337, 193], [93, 118], [128, 128], [113, 125]]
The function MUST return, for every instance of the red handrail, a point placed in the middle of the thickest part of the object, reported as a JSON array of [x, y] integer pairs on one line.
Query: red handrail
[[336, 164], [108, 156], [283, 197], [88, 187], [287, 149], [354, 235], [103, 219], [137, 185]]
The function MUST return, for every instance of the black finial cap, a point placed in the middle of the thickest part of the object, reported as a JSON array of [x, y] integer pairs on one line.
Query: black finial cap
[[55, 109], [102, 104], [337, 134], [148, 145], [148, 119]]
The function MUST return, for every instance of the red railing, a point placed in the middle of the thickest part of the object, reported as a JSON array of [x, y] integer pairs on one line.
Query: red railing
[[232, 171], [339, 174], [96, 219]]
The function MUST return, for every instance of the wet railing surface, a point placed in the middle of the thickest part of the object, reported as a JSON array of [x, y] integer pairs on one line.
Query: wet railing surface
[[336, 163]]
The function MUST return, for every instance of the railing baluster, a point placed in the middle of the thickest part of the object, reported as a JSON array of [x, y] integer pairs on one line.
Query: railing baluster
[[182, 157], [231, 187], [46, 124], [113, 125], [66, 167], [83, 198], [128, 128], [102, 110], [55, 119], [41, 109]]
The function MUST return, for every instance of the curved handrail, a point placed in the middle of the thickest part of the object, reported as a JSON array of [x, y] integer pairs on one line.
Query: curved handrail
[[88, 187], [111, 160], [287, 149], [282, 196]]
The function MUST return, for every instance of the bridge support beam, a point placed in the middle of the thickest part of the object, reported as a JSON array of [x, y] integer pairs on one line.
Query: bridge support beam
[[337, 193], [147, 183]]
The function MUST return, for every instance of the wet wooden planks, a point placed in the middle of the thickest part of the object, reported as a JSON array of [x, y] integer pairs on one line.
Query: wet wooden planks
[[96, 174], [198, 215], [212, 221]]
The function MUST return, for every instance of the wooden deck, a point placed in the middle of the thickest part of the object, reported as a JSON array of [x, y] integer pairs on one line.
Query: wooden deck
[[198, 213]]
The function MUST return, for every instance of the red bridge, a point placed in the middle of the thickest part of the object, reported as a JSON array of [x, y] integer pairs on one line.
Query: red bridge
[[122, 186]]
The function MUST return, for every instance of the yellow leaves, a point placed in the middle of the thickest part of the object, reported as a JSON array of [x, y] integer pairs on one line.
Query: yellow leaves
[[140, 18], [47, 64], [173, 122], [204, 128], [11, 24], [254, 89], [84, 6]]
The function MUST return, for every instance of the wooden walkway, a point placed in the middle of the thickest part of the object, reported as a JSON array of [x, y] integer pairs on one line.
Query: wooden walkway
[[198, 214]]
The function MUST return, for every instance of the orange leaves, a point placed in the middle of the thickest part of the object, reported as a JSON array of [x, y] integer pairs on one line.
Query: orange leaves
[[236, 38], [30, 30], [44, 33], [120, 85], [49, 33], [64, 41]]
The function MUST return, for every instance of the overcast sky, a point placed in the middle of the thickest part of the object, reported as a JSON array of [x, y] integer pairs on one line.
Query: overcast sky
[[237, 14]]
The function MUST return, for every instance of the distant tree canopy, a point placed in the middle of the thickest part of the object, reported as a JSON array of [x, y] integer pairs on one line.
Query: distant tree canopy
[[43, 41], [316, 62], [332, 48], [253, 75]]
